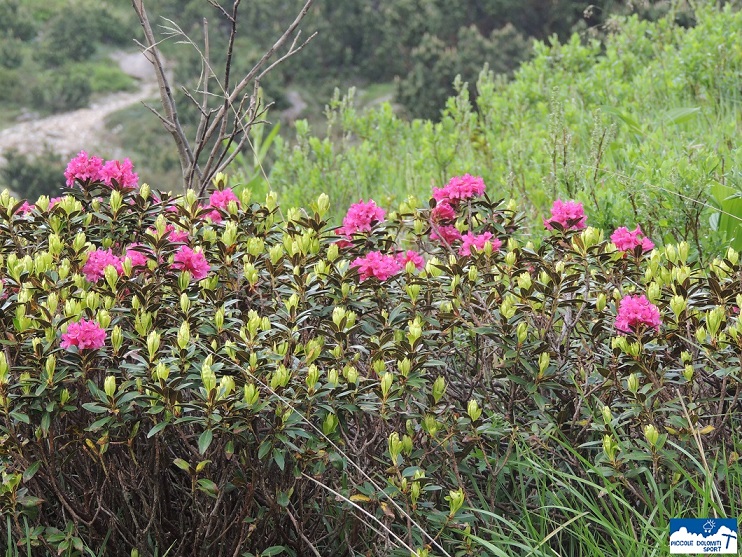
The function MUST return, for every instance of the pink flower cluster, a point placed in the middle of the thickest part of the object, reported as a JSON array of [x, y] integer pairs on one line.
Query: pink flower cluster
[[636, 311], [404, 257], [25, 208], [220, 200], [459, 188], [135, 252], [360, 217], [95, 267], [626, 240], [569, 214], [470, 240], [86, 335], [192, 261], [376, 264], [86, 170]]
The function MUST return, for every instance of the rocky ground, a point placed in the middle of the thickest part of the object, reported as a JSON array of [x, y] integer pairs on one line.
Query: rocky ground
[[70, 132]]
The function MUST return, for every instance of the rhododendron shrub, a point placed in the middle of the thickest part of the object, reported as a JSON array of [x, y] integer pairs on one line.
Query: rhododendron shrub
[[205, 393]]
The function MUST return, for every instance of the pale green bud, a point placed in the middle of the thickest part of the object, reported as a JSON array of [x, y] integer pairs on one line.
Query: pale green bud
[[117, 339], [524, 281], [688, 372], [208, 377], [184, 335], [109, 385], [677, 305], [522, 332], [252, 395], [79, 242], [330, 424], [671, 254], [386, 384], [473, 410], [654, 292], [607, 414], [439, 389], [333, 377], [404, 366], [683, 249], [543, 362], [651, 435], [116, 201], [455, 501], [312, 377], [271, 200], [633, 383], [600, 302], [714, 319]]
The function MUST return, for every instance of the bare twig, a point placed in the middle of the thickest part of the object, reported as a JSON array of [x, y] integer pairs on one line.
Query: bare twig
[[227, 112]]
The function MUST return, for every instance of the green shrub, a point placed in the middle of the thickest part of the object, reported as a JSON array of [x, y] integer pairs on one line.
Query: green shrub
[[32, 177], [283, 401], [639, 126], [63, 90]]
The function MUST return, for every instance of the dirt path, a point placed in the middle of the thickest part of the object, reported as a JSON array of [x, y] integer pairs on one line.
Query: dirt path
[[69, 132]]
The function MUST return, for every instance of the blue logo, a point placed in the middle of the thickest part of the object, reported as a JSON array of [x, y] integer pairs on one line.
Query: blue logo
[[691, 536]]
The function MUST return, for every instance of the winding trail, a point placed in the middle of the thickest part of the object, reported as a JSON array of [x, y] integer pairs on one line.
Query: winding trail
[[69, 132]]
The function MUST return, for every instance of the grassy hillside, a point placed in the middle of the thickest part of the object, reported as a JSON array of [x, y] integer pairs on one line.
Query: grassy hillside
[[641, 127]]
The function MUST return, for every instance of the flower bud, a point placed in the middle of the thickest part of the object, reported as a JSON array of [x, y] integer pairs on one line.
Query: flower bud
[[184, 335], [651, 435], [323, 205], [473, 274], [510, 258], [386, 384], [543, 362], [351, 374], [688, 372], [330, 424], [607, 414], [208, 377], [677, 305], [522, 332], [455, 501], [312, 377], [333, 378], [524, 281], [109, 385], [600, 302], [404, 367], [439, 389], [252, 395], [79, 242], [3, 369], [633, 383], [671, 254], [654, 292], [226, 386], [473, 410], [117, 339]]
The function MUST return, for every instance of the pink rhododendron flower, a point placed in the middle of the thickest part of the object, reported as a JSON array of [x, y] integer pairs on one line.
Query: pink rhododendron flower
[[477, 241], [175, 235], [86, 335], [53, 201], [378, 265], [120, 172], [569, 214], [26, 208], [626, 240], [448, 234], [220, 199], [360, 217], [83, 169], [404, 257], [459, 188], [95, 267], [443, 212], [138, 259], [192, 261], [634, 311]]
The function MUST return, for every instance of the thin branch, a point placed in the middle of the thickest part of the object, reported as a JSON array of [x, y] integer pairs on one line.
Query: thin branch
[[166, 96]]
